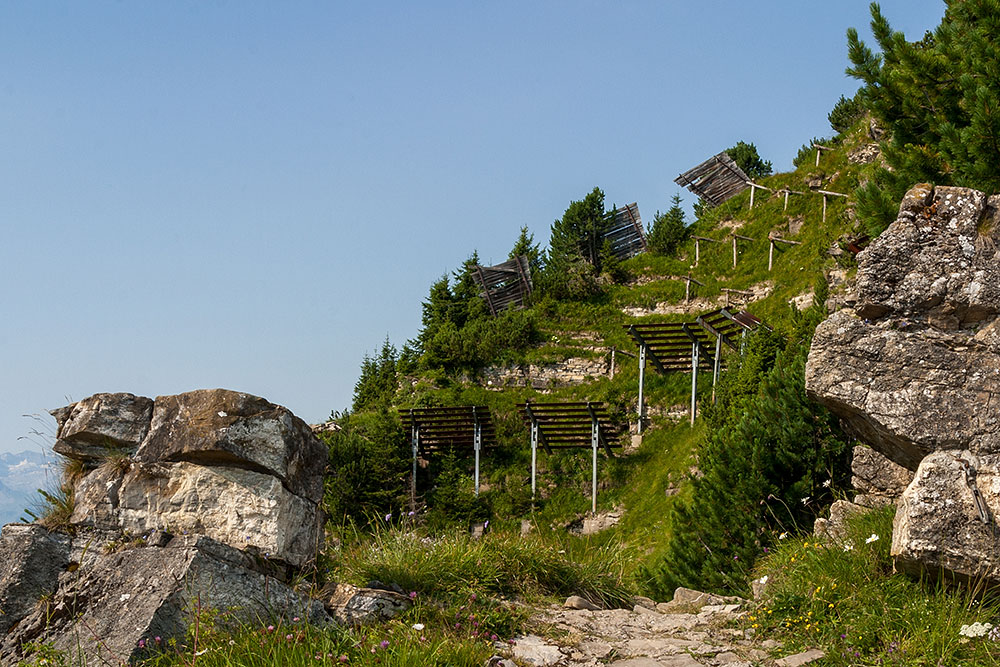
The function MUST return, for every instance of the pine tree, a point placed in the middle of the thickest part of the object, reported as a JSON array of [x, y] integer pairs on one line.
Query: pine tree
[[746, 158], [580, 232], [668, 230], [939, 99], [526, 246]]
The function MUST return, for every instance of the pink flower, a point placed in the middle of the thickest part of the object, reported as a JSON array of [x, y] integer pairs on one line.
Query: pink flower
[[384, 643]]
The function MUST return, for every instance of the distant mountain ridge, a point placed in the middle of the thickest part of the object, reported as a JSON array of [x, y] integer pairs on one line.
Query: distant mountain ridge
[[21, 474]]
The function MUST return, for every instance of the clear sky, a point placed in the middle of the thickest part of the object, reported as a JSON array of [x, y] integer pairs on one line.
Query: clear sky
[[254, 195]]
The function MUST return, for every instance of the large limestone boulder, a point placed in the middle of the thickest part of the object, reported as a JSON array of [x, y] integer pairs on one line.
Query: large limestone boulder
[[91, 429], [915, 367], [228, 465], [914, 371], [218, 427], [99, 611], [941, 525], [31, 560]]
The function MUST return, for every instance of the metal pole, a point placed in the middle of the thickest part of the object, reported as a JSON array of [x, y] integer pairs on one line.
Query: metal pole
[[752, 190], [824, 208], [594, 434], [694, 381], [415, 445], [786, 200], [697, 251], [717, 366], [534, 455], [477, 443], [642, 382], [734, 252], [770, 255]]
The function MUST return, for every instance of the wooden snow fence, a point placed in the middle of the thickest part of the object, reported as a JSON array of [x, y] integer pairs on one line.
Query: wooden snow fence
[[689, 347], [625, 233], [505, 285], [436, 429], [571, 426], [715, 180]]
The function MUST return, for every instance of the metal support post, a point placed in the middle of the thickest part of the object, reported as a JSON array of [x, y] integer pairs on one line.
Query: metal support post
[[415, 446], [694, 381], [717, 366], [770, 255], [642, 382], [734, 255], [534, 455], [477, 445], [595, 433]]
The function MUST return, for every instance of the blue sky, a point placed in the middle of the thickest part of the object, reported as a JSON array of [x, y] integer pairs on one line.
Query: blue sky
[[254, 195]]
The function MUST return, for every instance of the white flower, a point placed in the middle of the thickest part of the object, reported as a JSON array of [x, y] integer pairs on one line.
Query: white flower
[[782, 536], [826, 484], [418, 626], [975, 630], [849, 547], [805, 501], [873, 538], [762, 580]]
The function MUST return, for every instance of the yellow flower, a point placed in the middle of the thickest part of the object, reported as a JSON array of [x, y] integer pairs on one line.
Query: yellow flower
[[830, 605]]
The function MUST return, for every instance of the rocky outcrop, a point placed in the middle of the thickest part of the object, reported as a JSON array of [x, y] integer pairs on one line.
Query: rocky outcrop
[[915, 368], [103, 424], [231, 466], [946, 520], [572, 371], [79, 608], [914, 371], [204, 500]]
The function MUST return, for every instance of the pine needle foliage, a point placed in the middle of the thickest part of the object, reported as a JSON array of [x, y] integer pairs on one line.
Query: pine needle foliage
[[938, 97], [762, 469]]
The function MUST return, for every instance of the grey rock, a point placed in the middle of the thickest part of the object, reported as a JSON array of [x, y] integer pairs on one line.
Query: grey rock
[[355, 606], [877, 480], [533, 650], [100, 612], [242, 508], [31, 560], [938, 525], [835, 528], [577, 602], [102, 424], [799, 659], [908, 370], [218, 427]]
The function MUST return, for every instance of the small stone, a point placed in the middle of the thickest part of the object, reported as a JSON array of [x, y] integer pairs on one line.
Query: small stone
[[577, 602], [799, 659]]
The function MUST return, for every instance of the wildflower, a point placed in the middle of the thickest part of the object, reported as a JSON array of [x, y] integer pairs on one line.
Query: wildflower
[[342, 658], [232, 642], [494, 637], [873, 538], [782, 536], [288, 637], [826, 484], [413, 595], [157, 639], [388, 517], [975, 630], [848, 546], [295, 619], [142, 643], [410, 513], [422, 638], [418, 626], [270, 628], [384, 643], [762, 580], [995, 633], [805, 501]]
